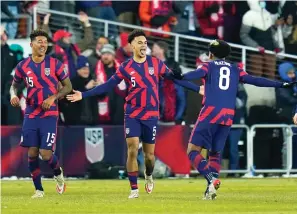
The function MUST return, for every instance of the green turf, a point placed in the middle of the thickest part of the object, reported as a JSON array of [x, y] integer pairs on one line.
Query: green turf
[[170, 196]]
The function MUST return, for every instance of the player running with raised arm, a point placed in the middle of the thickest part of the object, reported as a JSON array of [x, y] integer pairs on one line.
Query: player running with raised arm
[[211, 130], [141, 73], [41, 74]]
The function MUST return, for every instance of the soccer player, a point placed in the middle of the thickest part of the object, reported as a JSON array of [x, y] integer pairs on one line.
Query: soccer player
[[141, 73], [211, 130], [41, 74]]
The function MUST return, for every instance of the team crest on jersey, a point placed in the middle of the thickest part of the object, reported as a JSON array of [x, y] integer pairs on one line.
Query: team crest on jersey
[[47, 71], [151, 70], [127, 130]]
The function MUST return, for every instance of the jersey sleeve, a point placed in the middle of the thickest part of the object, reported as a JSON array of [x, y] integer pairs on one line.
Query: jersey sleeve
[[242, 73], [61, 71], [118, 76], [164, 70], [17, 77], [200, 72]]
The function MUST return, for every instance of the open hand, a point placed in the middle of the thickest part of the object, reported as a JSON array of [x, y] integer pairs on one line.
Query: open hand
[[15, 101], [74, 97], [83, 17], [46, 104]]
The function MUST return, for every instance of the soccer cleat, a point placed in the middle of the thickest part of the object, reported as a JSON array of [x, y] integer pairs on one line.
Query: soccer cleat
[[134, 194], [149, 183], [213, 187], [205, 197], [38, 194], [61, 186]]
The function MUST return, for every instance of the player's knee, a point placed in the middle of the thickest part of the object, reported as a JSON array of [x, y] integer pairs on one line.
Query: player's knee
[[132, 153], [33, 152], [149, 156], [46, 155]]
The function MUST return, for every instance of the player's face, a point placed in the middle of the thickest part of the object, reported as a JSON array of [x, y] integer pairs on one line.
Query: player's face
[[84, 72], [39, 46], [291, 74], [139, 46]]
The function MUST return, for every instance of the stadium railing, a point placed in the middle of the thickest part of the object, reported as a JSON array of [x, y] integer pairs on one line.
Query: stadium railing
[[26, 27], [184, 49], [287, 147]]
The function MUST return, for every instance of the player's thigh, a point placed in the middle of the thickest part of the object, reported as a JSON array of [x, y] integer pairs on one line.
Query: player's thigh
[[148, 131], [201, 137], [220, 137], [132, 128], [29, 136], [48, 133]]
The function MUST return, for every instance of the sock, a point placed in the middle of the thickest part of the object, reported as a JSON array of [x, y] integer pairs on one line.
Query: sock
[[149, 167], [54, 164], [201, 165], [133, 180], [33, 165], [215, 163]]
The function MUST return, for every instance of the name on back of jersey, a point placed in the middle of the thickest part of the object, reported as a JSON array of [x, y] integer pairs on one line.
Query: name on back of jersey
[[222, 63]]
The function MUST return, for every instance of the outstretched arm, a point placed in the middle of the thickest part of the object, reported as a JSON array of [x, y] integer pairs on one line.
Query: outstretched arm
[[104, 88], [260, 81], [188, 85]]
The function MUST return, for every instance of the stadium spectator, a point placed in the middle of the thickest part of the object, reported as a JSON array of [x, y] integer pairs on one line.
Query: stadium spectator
[[9, 60], [111, 106], [9, 10], [286, 98], [126, 13], [124, 52], [186, 18], [65, 49], [289, 28], [210, 18], [84, 112], [100, 10], [256, 31], [95, 53], [172, 96], [157, 14]]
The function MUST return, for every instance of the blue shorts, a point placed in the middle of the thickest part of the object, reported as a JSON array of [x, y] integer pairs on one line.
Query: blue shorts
[[144, 129], [210, 136], [39, 132]]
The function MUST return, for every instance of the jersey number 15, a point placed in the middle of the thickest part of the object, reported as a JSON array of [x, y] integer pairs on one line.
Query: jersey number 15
[[224, 81]]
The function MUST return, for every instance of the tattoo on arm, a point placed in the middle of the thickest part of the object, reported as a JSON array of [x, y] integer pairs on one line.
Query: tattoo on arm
[[66, 89], [13, 89]]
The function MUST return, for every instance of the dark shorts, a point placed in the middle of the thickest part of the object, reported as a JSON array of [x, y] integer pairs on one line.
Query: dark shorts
[[39, 132], [144, 129], [210, 136]]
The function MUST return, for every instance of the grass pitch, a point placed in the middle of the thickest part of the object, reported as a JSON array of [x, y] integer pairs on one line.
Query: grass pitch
[[170, 196]]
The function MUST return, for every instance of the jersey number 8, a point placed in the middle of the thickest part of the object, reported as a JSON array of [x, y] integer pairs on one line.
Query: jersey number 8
[[224, 81]]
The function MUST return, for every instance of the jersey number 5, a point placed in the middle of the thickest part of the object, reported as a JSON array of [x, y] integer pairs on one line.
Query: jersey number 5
[[224, 81], [30, 81], [133, 81]]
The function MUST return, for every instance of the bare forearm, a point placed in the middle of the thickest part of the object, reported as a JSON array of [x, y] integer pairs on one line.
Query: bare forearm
[[13, 89], [66, 89]]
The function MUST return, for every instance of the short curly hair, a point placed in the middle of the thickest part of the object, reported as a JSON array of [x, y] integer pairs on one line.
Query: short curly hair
[[38, 32], [219, 48], [135, 33]]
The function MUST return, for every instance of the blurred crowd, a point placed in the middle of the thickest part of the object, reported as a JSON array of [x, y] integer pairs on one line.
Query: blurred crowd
[[93, 59]]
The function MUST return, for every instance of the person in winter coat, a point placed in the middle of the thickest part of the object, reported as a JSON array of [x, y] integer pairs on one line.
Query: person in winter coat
[[84, 112], [172, 96], [256, 31], [64, 48], [286, 99], [124, 52], [110, 105], [157, 14]]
